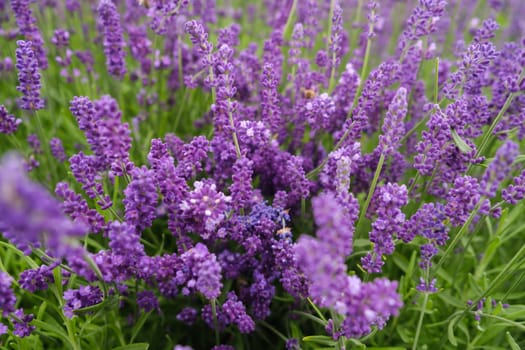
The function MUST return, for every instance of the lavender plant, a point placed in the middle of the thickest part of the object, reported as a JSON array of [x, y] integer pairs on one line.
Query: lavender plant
[[199, 174]]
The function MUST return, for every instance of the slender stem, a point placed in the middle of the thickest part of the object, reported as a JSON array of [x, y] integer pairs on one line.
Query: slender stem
[[288, 24], [273, 329], [215, 321], [459, 235], [331, 84], [436, 82], [420, 322], [488, 133], [372, 189], [364, 69], [319, 313]]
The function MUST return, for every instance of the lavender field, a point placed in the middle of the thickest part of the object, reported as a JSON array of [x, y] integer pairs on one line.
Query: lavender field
[[266, 174]]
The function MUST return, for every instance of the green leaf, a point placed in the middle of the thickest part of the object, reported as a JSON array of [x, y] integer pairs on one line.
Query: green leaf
[[108, 304], [311, 317], [460, 143], [512, 342], [320, 339], [519, 159], [487, 257], [450, 333], [136, 346]]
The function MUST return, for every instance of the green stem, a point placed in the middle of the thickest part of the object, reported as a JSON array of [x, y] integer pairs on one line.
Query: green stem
[[372, 189], [215, 321], [288, 25], [459, 235], [317, 311], [331, 84], [273, 329], [364, 69], [488, 133], [420, 322]]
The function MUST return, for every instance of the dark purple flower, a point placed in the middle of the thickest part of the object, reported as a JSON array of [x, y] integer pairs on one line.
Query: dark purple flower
[[20, 320], [79, 298], [36, 279], [233, 311], [147, 301], [188, 315]]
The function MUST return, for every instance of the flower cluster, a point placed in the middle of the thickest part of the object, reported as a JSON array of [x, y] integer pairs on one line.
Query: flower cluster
[[221, 169]]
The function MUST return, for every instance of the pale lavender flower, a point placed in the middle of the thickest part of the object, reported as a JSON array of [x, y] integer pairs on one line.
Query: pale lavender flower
[[393, 126], [30, 213]]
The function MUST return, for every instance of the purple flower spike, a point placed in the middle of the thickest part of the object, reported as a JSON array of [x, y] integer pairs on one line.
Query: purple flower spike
[[7, 296], [26, 22], [113, 38], [393, 126], [28, 77], [36, 215], [57, 149], [21, 323], [141, 198], [79, 298], [8, 122]]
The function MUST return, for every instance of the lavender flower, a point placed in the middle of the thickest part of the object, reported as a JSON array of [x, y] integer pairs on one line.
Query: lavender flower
[[462, 199], [8, 122], [28, 77], [499, 168], [188, 316], [164, 13], [21, 321], [147, 301], [205, 207], [140, 199], [202, 272], [241, 188], [36, 215], [393, 126], [516, 191], [60, 38], [334, 219], [26, 22], [113, 38], [36, 279], [7, 296], [388, 200], [57, 149], [233, 311], [79, 298]]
